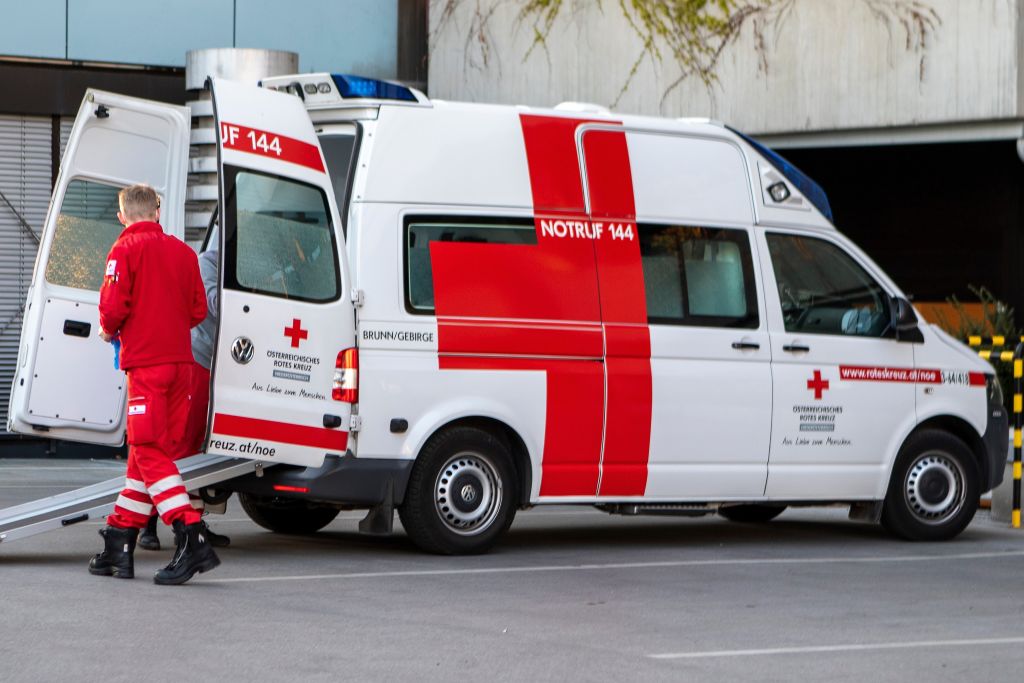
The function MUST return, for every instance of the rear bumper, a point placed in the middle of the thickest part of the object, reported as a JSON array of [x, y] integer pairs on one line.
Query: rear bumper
[[348, 480]]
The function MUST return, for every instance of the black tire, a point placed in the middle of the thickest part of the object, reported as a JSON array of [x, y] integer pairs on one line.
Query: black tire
[[440, 519], [751, 514], [286, 515], [934, 489]]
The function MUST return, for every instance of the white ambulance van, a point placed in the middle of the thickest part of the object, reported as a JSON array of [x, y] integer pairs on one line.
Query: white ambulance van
[[458, 311]]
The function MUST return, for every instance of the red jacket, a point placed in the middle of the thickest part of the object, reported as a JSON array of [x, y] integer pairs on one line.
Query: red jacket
[[152, 295]]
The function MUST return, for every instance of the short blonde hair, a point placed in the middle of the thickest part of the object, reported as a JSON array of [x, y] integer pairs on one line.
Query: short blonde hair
[[138, 202]]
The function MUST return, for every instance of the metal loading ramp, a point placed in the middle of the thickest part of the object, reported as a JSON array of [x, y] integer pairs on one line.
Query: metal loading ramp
[[97, 500]]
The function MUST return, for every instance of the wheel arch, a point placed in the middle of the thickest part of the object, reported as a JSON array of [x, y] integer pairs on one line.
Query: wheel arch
[[521, 460], [960, 428]]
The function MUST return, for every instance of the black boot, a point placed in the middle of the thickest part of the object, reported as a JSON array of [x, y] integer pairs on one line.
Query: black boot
[[117, 557], [148, 540], [215, 539], [192, 554]]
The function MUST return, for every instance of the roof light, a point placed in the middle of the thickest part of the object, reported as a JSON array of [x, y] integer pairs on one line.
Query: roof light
[[294, 88], [323, 87], [779, 192], [310, 88], [582, 107], [357, 87]]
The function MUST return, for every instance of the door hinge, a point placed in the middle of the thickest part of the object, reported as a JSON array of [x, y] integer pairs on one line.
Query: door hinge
[[355, 423], [358, 297]]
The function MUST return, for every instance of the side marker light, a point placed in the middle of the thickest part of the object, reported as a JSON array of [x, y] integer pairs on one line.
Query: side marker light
[[290, 489]]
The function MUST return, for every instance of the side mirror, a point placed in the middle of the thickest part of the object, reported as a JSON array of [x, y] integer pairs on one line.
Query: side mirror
[[904, 321]]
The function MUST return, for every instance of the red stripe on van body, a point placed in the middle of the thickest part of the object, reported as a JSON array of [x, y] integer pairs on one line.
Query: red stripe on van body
[[521, 338], [281, 432], [556, 293], [627, 427]]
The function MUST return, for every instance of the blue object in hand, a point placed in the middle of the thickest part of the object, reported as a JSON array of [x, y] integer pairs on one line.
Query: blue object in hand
[[116, 343]]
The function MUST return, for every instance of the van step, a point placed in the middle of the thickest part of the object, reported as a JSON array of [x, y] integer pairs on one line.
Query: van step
[[666, 509]]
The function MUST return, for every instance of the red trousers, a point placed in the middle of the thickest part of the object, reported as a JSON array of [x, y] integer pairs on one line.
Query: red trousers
[[158, 405], [195, 426]]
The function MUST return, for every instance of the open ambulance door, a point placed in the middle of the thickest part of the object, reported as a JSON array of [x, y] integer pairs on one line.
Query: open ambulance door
[[286, 319], [65, 385]]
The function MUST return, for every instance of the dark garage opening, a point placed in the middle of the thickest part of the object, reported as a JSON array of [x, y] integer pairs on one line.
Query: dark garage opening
[[935, 217]]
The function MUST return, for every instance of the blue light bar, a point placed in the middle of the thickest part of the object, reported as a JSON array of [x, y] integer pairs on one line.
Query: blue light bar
[[810, 189], [357, 87]]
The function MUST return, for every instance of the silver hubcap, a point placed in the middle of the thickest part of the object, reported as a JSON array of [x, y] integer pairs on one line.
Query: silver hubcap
[[935, 488], [467, 494]]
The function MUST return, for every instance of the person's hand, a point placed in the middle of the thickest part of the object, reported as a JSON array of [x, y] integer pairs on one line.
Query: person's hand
[[106, 337]]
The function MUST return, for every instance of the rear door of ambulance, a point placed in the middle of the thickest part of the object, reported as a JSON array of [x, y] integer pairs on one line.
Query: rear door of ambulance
[[66, 386], [286, 318]]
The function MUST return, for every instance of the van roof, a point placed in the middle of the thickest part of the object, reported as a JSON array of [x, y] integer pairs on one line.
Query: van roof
[[346, 97]]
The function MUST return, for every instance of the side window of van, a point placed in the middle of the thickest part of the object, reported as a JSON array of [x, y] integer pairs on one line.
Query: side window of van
[[420, 231], [279, 238], [824, 291], [698, 276]]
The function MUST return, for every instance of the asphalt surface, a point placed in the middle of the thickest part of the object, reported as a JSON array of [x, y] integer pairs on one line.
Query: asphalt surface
[[571, 594]]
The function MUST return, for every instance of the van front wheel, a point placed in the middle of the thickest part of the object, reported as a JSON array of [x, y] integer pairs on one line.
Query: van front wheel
[[934, 490], [461, 495]]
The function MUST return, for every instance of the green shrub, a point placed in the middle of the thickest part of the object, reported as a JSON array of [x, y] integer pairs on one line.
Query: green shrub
[[997, 318]]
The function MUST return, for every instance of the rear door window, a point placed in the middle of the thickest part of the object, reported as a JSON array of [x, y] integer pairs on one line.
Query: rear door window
[[280, 240], [87, 228]]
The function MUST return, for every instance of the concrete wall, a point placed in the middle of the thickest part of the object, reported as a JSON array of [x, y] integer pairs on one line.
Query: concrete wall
[[831, 65]]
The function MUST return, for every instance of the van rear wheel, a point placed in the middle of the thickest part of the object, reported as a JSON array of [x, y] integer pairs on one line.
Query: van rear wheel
[[934, 489], [461, 496], [286, 515]]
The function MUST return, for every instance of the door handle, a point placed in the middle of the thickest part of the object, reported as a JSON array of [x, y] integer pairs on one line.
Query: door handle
[[796, 348], [332, 421], [746, 345], [76, 328]]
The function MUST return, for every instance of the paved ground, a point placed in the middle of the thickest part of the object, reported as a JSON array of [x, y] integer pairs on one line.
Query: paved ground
[[572, 594]]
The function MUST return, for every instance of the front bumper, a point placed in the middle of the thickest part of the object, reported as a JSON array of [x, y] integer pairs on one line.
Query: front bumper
[[996, 445], [347, 480]]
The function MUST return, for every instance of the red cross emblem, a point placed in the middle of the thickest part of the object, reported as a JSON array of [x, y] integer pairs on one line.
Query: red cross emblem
[[817, 385], [296, 332]]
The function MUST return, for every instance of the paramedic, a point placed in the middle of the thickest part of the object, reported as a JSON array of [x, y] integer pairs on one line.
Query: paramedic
[[151, 296], [195, 426]]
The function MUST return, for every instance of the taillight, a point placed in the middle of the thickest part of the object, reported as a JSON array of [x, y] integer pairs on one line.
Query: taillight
[[346, 377]]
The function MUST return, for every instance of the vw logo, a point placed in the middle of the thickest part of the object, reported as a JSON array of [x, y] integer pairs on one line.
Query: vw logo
[[242, 350], [468, 493]]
